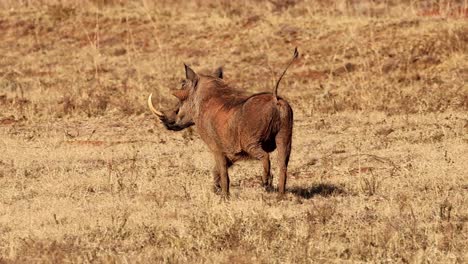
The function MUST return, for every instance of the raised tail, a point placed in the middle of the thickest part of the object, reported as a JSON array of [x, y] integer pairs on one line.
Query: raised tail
[[275, 91]]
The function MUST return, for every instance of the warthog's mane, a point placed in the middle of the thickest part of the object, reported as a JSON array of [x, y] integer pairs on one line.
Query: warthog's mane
[[229, 96]]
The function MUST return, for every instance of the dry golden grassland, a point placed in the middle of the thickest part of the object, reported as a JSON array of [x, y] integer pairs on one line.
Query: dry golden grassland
[[379, 167]]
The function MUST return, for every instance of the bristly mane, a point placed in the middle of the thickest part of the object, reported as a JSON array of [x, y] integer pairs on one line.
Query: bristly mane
[[219, 89]]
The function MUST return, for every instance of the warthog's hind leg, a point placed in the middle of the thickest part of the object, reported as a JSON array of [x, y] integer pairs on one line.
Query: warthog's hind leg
[[257, 152], [267, 178], [283, 140]]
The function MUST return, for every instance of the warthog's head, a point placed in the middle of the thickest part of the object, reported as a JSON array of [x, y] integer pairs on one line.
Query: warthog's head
[[183, 115]]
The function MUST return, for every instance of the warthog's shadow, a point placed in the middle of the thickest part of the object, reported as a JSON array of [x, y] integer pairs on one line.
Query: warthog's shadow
[[322, 189]]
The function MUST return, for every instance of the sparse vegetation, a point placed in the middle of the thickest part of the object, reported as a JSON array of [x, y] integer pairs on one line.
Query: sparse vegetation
[[378, 171]]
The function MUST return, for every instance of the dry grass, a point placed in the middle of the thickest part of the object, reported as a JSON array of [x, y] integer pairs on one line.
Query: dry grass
[[378, 170]]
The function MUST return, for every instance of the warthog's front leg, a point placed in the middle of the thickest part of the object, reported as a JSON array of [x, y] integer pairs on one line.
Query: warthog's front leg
[[222, 165], [216, 180]]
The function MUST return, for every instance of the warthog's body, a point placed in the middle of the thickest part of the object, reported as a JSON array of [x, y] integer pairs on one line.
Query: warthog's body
[[233, 125]]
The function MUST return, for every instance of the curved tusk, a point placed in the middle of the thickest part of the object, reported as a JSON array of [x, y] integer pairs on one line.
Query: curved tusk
[[153, 110]]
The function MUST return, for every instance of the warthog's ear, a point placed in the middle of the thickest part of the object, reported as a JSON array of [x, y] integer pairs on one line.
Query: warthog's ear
[[218, 73], [190, 74], [181, 94]]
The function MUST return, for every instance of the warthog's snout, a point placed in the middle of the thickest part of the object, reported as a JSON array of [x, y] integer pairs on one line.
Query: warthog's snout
[[169, 118]]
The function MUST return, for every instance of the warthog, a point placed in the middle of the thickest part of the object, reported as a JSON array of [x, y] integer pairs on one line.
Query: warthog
[[234, 125]]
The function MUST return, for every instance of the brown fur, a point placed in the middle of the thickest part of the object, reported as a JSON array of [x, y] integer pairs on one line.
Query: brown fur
[[234, 125]]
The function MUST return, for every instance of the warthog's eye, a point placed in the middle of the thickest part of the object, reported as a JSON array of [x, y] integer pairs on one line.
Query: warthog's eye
[[183, 83], [177, 111]]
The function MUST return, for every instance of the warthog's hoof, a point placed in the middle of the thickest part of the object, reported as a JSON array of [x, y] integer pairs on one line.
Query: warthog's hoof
[[225, 196], [281, 197], [268, 187], [217, 189]]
